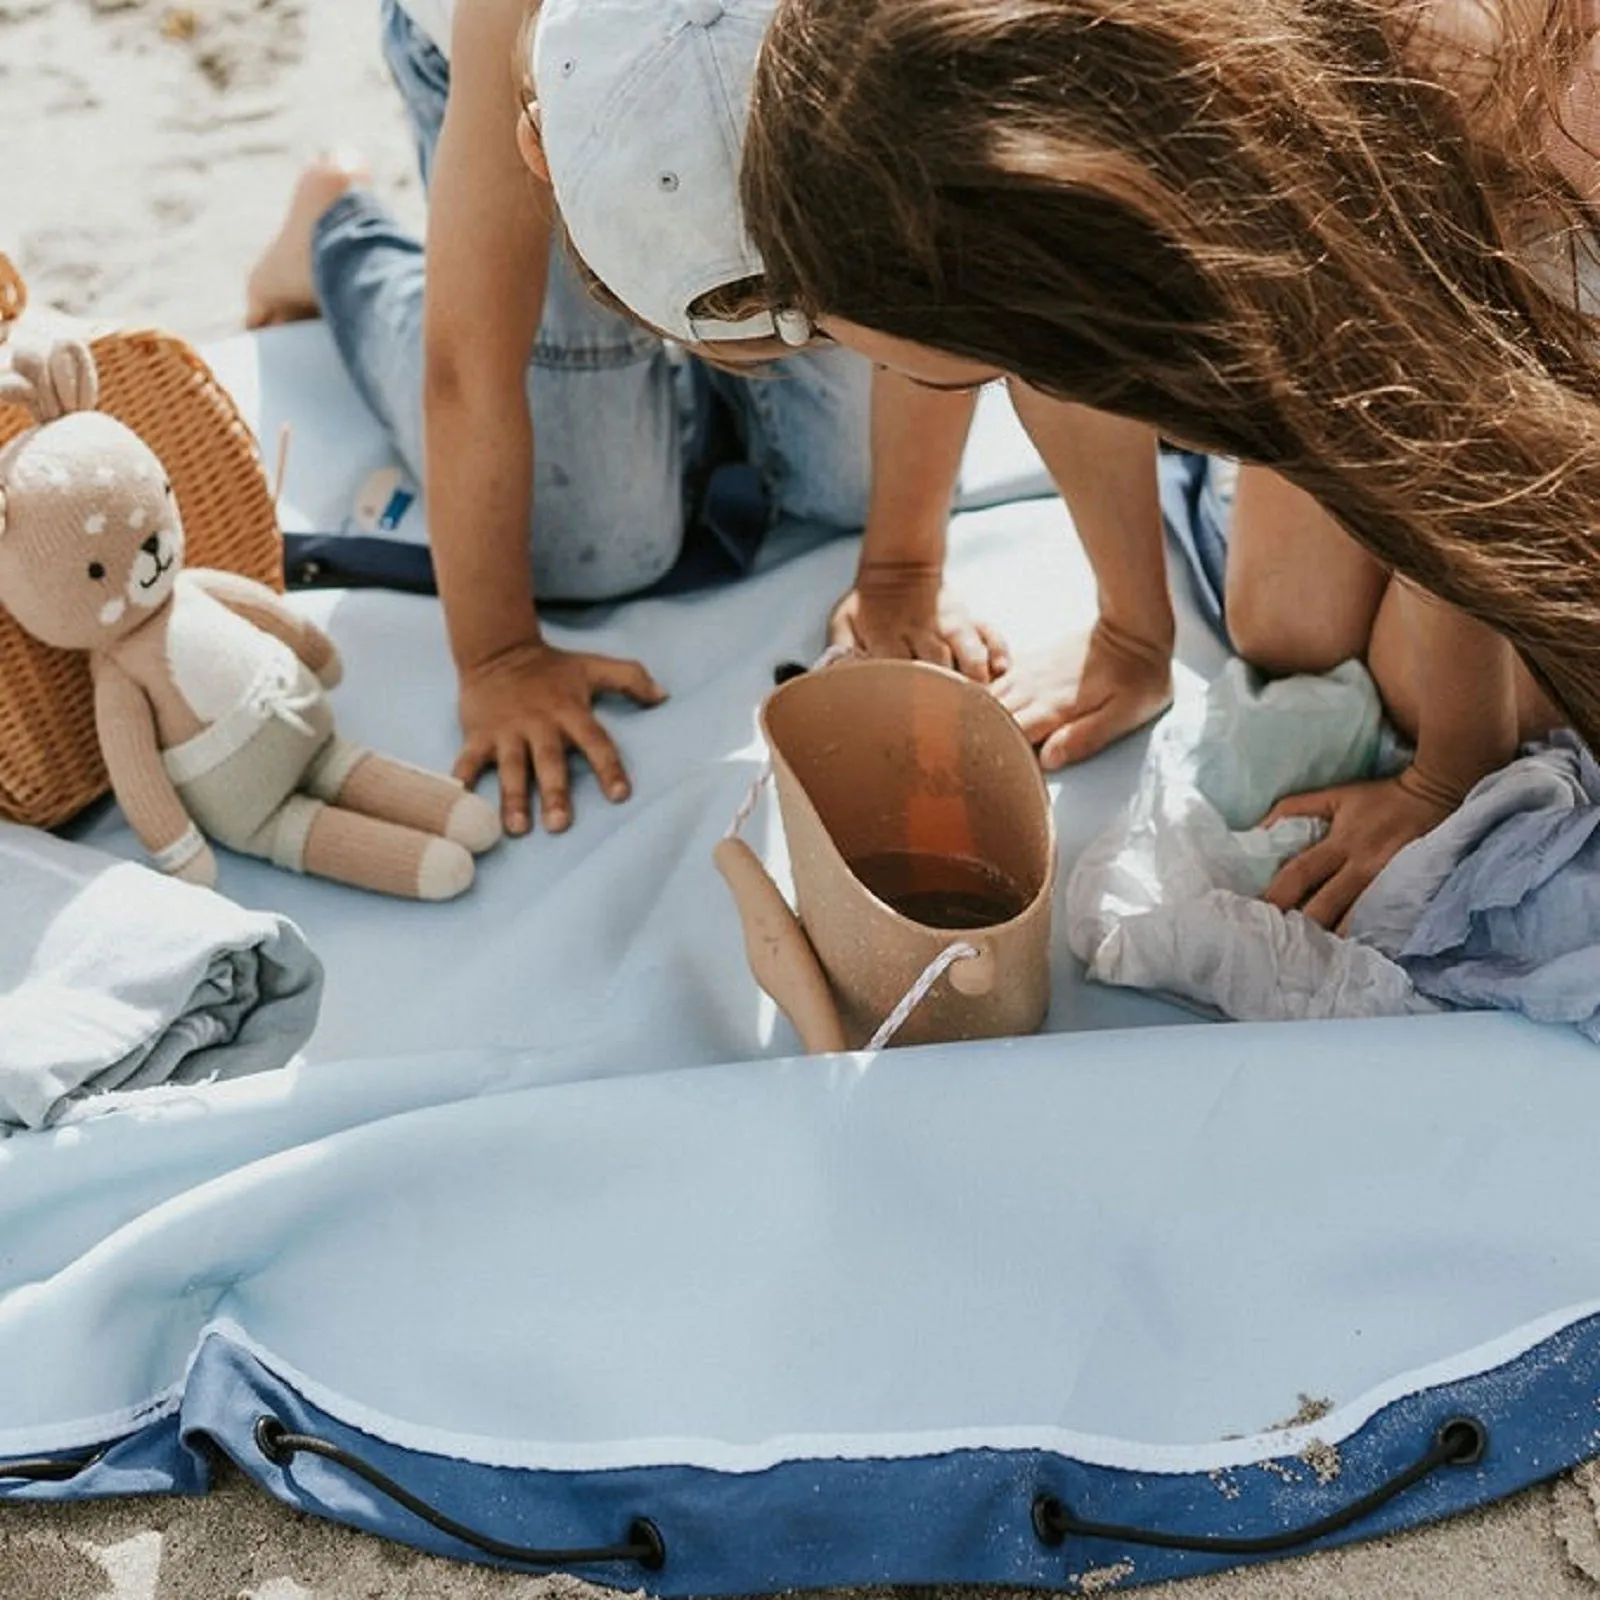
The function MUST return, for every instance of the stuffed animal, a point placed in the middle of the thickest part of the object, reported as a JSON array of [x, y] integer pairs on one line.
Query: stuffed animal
[[209, 692]]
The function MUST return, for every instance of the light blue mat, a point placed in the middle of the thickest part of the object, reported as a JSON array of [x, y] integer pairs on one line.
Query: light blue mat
[[548, 1250]]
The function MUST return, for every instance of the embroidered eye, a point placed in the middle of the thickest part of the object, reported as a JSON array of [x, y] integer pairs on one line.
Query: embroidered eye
[[96, 571], [166, 488]]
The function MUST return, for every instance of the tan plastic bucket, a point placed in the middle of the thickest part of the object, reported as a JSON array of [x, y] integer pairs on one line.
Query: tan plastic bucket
[[916, 817]]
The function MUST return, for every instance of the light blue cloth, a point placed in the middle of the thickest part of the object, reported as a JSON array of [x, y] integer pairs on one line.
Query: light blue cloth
[[114, 977], [1510, 887], [619, 424]]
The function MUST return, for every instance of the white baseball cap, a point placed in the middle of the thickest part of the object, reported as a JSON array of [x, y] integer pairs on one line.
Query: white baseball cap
[[642, 110]]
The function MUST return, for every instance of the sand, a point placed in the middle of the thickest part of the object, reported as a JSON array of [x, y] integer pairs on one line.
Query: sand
[[145, 153], [147, 148]]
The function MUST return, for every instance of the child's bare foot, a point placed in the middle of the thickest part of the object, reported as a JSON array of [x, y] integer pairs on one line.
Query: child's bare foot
[[281, 287]]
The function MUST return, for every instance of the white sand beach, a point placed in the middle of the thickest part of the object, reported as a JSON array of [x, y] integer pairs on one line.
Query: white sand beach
[[146, 152]]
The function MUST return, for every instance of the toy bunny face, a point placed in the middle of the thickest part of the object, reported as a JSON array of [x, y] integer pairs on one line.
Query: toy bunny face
[[90, 538]]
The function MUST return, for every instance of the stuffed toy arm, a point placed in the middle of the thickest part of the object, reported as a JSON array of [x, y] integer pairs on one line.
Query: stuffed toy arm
[[258, 604], [132, 754]]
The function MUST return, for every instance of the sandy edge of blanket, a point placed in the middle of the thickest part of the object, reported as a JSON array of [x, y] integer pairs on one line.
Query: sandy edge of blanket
[[147, 150]]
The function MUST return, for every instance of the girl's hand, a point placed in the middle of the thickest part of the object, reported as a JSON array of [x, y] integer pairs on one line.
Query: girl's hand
[[1368, 824], [526, 707], [1075, 701], [902, 609]]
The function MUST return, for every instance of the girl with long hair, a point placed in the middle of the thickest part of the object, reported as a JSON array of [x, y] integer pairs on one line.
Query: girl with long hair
[[1343, 240]]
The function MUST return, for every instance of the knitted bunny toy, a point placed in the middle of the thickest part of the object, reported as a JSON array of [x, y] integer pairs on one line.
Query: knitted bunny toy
[[209, 691]]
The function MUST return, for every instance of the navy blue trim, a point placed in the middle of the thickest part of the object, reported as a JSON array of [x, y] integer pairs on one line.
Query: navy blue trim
[[356, 561], [720, 546], [152, 1460], [959, 1518]]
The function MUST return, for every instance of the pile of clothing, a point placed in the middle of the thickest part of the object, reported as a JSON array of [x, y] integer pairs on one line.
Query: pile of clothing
[[1499, 907]]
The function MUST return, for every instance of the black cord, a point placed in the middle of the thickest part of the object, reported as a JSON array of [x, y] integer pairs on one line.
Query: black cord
[[1460, 1442], [45, 1470], [644, 1543]]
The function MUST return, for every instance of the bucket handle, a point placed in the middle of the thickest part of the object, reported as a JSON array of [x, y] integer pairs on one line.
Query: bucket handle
[[781, 958]]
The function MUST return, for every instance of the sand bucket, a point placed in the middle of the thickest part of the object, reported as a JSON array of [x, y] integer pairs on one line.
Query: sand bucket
[[918, 824]]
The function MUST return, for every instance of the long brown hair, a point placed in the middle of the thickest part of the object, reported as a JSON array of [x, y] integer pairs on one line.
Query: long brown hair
[[1266, 227]]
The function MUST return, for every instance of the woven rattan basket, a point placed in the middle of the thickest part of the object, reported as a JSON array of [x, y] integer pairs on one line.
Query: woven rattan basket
[[50, 766]]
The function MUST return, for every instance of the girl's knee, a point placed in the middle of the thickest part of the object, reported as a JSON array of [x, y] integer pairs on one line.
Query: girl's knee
[[1302, 595], [1276, 635]]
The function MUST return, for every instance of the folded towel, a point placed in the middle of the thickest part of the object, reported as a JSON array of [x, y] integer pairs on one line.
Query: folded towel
[[115, 977]]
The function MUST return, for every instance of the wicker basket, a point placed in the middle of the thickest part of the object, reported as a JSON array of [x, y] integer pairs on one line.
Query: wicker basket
[[50, 766]]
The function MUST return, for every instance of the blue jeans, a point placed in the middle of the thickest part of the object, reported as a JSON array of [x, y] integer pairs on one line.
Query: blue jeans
[[634, 439], [1197, 507]]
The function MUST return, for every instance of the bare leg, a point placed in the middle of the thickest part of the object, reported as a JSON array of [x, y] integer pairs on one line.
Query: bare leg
[[383, 856], [378, 786], [281, 287], [1392, 662], [1302, 594]]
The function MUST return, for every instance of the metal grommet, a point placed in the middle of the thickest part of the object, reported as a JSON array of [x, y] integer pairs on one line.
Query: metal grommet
[[1046, 1521], [1466, 1439], [644, 1534], [268, 1436]]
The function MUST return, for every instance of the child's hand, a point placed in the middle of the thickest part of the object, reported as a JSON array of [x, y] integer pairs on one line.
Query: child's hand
[[527, 707], [1368, 824], [1075, 701], [902, 609]]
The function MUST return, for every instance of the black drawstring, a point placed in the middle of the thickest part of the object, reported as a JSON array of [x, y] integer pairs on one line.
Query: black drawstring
[[1460, 1442], [644, 1543], [45, 1470]]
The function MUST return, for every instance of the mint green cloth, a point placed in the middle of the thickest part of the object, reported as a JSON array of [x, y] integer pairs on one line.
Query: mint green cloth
[[1168, 898], [1263, 739]]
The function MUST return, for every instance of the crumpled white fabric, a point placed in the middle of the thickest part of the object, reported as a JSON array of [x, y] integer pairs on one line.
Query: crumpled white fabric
[[1167, 898]]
